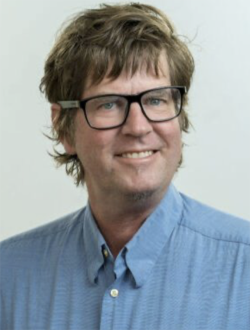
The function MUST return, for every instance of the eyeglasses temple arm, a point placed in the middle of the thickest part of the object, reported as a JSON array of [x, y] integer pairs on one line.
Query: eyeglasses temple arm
[[69, 104]]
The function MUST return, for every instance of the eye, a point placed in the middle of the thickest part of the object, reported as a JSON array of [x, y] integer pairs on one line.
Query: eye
[[155, 101], [108, 106]]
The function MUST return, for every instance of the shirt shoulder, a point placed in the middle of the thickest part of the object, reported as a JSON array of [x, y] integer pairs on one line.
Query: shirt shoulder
[[213, 223], [45, 233]]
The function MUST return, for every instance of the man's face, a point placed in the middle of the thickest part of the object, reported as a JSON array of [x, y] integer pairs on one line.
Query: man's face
[[139, 157]]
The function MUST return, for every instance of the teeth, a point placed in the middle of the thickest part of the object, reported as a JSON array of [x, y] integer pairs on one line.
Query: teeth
[[138, 154]]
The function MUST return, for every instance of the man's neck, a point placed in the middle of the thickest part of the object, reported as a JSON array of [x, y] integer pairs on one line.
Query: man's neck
[[118, 221]]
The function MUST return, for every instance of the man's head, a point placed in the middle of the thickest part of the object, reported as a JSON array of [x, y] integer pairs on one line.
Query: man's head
[[107, 42]]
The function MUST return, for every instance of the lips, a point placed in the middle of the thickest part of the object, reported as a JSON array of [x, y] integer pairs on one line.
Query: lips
[[134, 155]]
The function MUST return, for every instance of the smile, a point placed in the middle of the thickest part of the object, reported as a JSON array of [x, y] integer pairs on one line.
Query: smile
[[141, 154]]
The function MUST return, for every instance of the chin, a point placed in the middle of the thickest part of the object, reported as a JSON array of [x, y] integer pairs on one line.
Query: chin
[[140, 196], [143, 192]]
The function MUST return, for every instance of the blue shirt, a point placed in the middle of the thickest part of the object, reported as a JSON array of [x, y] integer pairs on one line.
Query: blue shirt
[[187, 268]]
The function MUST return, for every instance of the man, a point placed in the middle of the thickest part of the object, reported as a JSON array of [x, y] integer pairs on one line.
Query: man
[[140, 255]]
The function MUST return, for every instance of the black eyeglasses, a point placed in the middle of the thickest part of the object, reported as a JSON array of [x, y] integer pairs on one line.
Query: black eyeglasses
[[111, 110]]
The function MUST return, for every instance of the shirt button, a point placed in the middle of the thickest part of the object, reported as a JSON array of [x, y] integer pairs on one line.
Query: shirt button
[[105, 253], [114, 293]]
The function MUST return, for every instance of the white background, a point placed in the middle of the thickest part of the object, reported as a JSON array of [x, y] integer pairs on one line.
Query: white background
[[217, 158]]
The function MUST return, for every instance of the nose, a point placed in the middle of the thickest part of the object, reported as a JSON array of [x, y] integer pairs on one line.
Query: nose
[[136, 123]]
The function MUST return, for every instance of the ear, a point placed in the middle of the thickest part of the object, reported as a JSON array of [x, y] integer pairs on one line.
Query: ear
[[55, 112]]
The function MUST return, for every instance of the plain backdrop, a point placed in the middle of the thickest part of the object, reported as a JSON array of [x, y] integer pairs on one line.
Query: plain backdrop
[[217, 157]]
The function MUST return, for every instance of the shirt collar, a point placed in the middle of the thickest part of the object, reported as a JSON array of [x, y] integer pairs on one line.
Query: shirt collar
[[144, 248], [93, 245]]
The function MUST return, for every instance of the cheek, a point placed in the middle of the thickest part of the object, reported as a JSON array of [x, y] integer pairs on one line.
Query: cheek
[[172, 135], [97, 145]]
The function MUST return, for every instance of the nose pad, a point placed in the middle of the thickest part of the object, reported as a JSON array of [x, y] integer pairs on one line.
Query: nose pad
[[136, 123]]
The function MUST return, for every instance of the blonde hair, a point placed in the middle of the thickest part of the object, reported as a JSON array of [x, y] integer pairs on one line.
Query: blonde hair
[[125, 37]]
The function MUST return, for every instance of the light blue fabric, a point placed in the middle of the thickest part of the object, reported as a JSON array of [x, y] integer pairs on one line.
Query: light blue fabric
[[187, 268]]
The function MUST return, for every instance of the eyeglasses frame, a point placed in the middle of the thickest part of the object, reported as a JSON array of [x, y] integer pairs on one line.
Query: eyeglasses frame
[[131, 98]]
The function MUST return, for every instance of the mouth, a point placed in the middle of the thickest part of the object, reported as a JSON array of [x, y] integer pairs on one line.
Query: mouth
[[136, 155]]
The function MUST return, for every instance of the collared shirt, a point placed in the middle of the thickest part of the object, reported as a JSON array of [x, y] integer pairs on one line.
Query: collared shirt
[[187, 268]]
